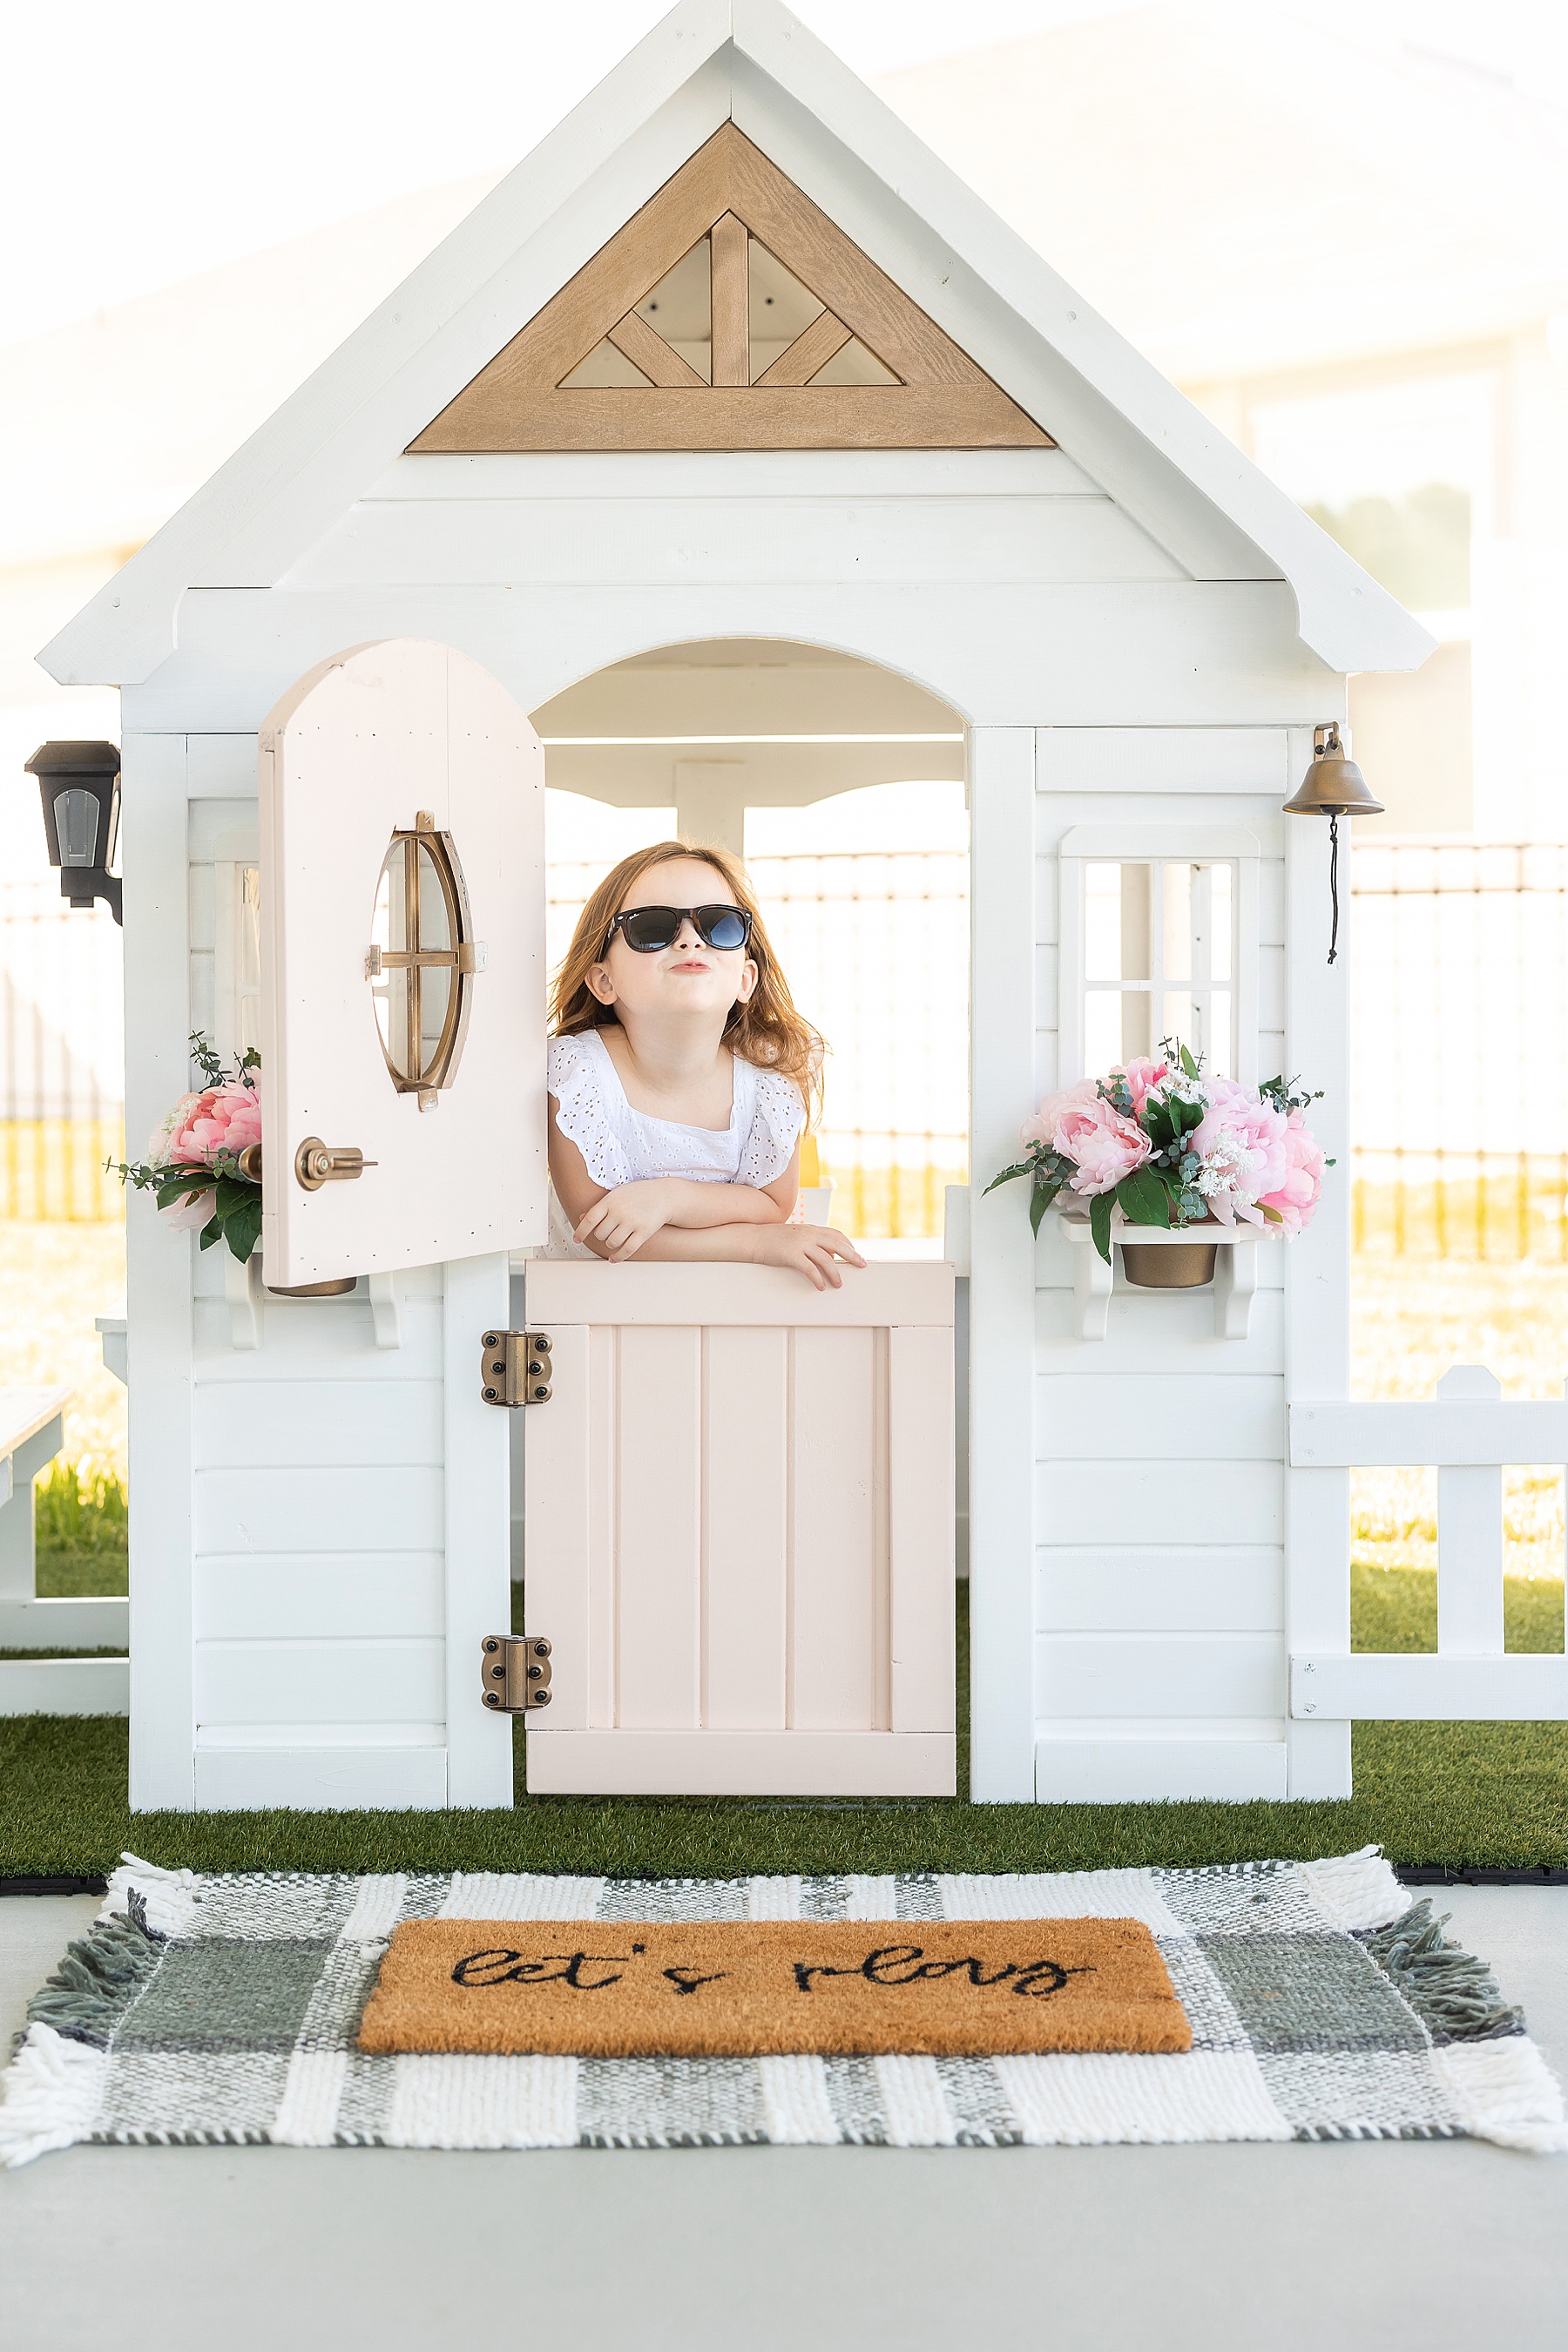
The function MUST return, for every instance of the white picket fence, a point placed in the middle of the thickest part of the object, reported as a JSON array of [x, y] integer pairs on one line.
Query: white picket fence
[[1470, 1432]]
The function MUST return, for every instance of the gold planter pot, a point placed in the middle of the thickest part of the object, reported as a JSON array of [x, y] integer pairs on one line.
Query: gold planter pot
[[338, 1287], [1169, 1265]]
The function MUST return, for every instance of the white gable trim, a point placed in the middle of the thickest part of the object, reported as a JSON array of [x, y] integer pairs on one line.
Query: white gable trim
[[707, 61]]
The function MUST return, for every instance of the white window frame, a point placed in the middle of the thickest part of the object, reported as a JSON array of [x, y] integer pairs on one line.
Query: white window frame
[[1156, 845], [237, 857]]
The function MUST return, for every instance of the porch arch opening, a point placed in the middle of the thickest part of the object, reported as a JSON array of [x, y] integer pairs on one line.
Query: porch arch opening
[[840, 782]]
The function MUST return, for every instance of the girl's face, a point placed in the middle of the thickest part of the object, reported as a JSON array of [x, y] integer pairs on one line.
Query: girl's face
[[685, 978]]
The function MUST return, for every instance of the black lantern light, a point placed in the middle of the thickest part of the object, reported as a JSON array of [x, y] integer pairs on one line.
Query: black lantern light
[[1333, 786], [79, 784]]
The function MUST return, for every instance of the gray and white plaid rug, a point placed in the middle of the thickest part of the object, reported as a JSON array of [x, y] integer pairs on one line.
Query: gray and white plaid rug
[[224, 2009]]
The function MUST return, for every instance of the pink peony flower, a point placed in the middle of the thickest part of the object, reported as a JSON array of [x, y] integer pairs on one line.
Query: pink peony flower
[[1109, 1150], [1297, 1198], [173, 1119], [1241, 1146], [219, 1120], [1084, 1127], [1143, 1076], [1050, 1122]]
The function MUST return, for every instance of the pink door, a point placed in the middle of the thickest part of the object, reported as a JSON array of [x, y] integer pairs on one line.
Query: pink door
[[739, 1531]]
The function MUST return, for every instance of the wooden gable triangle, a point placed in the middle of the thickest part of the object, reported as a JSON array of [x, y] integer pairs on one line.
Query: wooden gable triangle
[[730, 313]]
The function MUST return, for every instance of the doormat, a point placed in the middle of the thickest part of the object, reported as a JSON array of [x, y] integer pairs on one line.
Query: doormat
[[226, 2009], [746, 1989]]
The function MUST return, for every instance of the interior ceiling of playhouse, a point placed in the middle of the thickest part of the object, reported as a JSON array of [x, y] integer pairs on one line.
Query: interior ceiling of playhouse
[[788, 724]]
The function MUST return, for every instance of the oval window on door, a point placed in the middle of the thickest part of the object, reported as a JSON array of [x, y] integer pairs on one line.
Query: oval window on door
[[422, 961]]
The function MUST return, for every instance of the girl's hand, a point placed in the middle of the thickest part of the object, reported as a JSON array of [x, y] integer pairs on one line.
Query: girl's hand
[[810, 1250], [626, 1216]]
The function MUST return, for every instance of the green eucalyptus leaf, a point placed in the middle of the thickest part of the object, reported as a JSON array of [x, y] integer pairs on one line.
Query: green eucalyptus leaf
[[1099, 1223]]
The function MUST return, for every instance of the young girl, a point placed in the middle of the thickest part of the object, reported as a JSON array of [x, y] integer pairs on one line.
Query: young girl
[[680, 1076]]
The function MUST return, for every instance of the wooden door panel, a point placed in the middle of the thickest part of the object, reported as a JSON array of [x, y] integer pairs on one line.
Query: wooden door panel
[[746, 1530], [739, 1534], [837, 1475], [658, 1533], [920, 1521]]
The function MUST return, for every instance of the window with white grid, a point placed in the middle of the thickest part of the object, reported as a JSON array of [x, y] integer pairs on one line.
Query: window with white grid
[[1158, 944]]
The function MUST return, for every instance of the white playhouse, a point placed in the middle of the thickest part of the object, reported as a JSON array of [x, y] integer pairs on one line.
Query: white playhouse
[[733, 373]]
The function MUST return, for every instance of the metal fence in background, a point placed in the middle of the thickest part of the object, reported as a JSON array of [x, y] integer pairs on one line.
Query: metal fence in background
[[1460, 1049], [1461, 1037], [61, 1058]]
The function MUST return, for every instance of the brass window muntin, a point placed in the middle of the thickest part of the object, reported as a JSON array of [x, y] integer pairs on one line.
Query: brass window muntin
[[427, 1075]]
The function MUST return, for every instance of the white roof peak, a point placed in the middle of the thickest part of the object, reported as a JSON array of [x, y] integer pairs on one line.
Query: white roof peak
[[750, 61]]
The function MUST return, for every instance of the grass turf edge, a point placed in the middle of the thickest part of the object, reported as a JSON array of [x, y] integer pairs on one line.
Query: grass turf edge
[[1450, 1795]]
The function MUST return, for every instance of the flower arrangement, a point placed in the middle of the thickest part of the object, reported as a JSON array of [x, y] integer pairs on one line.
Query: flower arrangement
[[204, 1159], [1170, 1146]]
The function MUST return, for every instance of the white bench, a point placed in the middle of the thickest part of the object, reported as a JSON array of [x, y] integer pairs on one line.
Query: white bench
[[32, 1431]]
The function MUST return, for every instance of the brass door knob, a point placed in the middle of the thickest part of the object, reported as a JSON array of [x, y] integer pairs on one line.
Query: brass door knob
[[317, 1163]]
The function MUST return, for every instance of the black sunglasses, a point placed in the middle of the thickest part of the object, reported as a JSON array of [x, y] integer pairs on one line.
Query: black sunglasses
[[647, 929]]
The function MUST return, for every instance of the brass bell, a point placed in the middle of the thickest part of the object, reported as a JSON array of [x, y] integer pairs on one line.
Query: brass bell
[[1334, 785]]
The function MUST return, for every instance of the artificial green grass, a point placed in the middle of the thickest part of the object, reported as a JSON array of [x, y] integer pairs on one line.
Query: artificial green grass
[[81, 1576], [1483, 1795], [1396, 1609]]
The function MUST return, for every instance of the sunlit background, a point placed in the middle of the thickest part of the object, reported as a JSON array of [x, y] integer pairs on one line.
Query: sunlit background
[[1343, 231]]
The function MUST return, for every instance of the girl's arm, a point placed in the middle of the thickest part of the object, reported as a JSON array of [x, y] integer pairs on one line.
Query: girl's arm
[[620, 1220], [811, 1250]]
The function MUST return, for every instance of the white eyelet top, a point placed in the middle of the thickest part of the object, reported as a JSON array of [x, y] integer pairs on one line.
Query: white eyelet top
[[623, 1146]]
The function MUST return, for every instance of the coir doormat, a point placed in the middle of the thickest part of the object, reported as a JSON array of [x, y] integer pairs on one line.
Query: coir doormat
[[229, 2008], [741, 1989]]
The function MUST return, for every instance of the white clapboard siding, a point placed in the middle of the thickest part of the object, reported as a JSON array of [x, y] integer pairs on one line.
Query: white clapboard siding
[[1159, 1658], [338, 1424], [1130, 1675], [306, 1681], [1134, 1416], [1139, 1502], [316, 1509], [310, 1338], [1176, 1341], [739, 1530], [1173, 1588], [1140, 1769], [319, 1596], [322, 1778]]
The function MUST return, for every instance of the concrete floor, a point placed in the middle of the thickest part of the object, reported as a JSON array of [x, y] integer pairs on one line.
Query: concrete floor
[[833, 2250]]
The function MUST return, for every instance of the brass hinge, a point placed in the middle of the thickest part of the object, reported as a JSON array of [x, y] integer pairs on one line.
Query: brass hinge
[[514, 1367], [516, 1672]]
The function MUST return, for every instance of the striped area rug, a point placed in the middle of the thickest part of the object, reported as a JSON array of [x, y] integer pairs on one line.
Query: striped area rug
[[223, 2010]]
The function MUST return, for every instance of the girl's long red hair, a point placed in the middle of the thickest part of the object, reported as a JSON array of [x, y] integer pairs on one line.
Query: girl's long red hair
[[766, 1030]]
